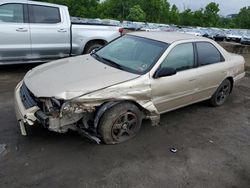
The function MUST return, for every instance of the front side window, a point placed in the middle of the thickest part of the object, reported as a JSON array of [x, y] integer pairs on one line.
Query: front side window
[[181, 57], [44, 14], [208, 54], [131, 53], [12, 13]]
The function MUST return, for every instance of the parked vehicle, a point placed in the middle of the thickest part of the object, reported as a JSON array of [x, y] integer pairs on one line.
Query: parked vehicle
[[195, 32], [106, 94], [245, 38], [180, 30], [88, 21], [130, 26], [150, 28], [234, 35], [39, 32], [204, 32], [208, 33], [166, 28], [218, 35], [111, 22]]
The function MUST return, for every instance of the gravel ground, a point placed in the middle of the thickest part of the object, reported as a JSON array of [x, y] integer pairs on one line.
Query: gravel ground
[[213, 149]]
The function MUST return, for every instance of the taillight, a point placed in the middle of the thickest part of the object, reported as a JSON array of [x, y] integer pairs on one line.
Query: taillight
[[121, 30]]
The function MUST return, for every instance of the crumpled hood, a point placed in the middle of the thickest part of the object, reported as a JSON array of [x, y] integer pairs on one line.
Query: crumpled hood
[[73, 77]]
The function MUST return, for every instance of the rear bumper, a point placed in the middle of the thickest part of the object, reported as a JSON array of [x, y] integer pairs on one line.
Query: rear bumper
[[239, 77], [235, 39], [24, 116]]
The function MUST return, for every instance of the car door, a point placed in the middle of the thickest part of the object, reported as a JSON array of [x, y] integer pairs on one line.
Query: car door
[[174, 91], [50, 32], [211, 72], [14, 33]]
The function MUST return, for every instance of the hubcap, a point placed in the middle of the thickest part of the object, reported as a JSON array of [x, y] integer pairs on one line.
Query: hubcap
[[124, 127], [222, 94]]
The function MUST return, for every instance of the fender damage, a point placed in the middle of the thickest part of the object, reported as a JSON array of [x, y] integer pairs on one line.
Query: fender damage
[[93, 105], [83, 113]]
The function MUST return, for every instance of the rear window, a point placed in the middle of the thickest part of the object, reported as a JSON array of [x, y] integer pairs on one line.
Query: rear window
[[208, 54], [44, 14]]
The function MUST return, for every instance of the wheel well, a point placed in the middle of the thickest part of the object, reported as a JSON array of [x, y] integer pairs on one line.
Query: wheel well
[[232, 83], [105, 106], [143, 110], [92, 42]]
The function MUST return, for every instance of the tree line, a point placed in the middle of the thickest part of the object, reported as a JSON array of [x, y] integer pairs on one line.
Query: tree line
[[156, 11]]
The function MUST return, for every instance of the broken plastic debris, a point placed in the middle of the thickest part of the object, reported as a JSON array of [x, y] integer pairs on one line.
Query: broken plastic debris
[[173, 150]]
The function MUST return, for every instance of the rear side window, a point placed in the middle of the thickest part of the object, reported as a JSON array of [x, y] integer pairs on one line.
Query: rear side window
[[208, 54], [44, 14], [12, 13]]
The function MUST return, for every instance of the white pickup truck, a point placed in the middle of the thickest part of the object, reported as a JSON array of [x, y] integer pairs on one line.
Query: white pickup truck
[[39, 32]]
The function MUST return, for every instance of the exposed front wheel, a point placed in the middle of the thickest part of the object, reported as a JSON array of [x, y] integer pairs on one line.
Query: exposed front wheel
[[221, 94], [120, 123]]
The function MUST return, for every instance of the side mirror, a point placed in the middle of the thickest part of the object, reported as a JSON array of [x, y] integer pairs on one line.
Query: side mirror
[[164, 72]]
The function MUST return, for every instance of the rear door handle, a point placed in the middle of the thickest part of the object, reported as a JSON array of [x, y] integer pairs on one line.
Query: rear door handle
[[21, 30], [62, 30]]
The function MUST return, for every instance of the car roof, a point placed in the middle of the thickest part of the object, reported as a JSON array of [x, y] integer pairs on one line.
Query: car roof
[[167, 37]]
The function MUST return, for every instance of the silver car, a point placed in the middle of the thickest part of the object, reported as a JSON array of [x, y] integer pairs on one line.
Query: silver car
[[106, 95], [245, 38]]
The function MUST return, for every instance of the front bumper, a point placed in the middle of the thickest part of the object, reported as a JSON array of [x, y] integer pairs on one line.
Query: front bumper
[[29, 116], [245, 41], [24, 116], [236, 39], [28, 113]]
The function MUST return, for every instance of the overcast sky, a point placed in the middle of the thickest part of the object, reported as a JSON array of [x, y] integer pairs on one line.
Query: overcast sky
[[226, 6]]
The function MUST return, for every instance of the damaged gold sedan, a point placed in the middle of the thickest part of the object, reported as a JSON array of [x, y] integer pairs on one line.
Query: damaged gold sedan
[[105, 95]]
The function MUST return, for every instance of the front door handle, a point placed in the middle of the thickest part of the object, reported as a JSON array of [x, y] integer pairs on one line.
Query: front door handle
[[62, 30], [21, 30]]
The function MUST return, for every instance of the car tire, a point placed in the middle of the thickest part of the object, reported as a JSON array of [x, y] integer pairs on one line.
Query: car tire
[[120, 123], [221, 94], [92, 46]]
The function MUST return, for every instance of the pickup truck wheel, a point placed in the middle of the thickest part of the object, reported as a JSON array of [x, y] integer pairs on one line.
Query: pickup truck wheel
[[92, 46], [120, 123], [221, 94]]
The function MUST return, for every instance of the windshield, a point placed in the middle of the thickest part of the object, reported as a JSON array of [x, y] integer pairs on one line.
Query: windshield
[[132, 54], [236, 32]]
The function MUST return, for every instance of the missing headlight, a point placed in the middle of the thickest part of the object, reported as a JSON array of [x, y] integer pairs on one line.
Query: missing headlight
[[77, 108]]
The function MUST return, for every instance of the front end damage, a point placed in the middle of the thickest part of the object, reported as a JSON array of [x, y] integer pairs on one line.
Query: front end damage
[[81, 113]]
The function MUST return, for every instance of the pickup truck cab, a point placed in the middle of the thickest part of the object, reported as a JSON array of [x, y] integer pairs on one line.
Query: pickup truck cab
[[40, 32]]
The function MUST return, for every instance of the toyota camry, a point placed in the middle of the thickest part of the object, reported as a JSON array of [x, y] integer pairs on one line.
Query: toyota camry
[[105, 95]]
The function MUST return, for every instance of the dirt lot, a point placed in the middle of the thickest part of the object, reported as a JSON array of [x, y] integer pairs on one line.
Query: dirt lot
[[213, 149]]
